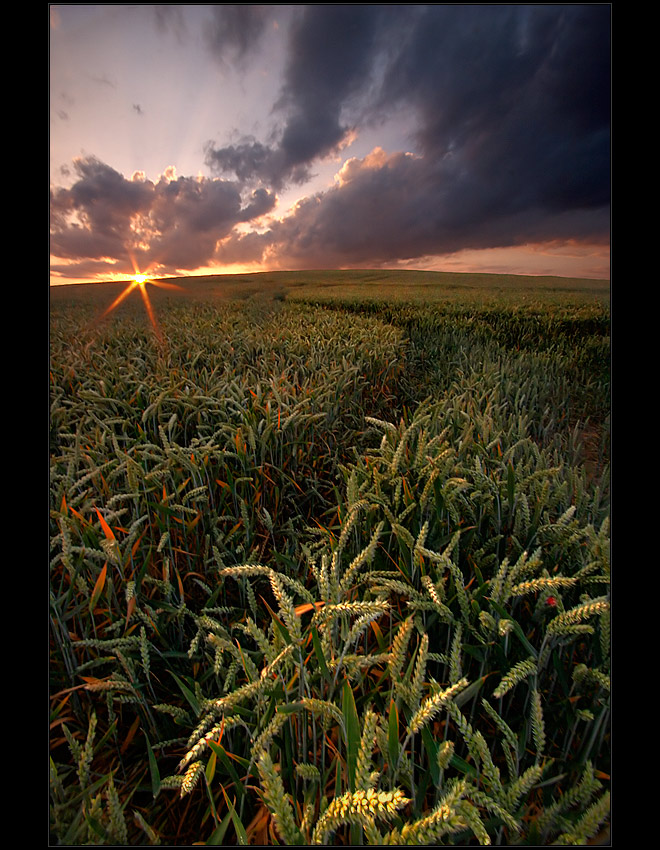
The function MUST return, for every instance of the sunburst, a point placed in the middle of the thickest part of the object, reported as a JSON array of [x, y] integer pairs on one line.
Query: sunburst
[[140, 281]]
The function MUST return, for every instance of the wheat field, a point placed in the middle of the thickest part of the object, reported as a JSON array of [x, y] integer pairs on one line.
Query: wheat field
[[329, 561]]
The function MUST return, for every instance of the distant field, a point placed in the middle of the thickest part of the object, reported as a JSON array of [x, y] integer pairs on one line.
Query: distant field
[[362, 284]]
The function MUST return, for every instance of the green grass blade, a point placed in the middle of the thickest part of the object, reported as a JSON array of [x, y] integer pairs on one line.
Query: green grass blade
[[352, 724], [393, 735], [318, 652], [153, 771], [188, 694], [217, 838], [238, 826], [221, 753]]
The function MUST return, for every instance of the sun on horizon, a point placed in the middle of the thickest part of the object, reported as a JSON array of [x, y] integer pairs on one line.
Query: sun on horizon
[[140, 281]]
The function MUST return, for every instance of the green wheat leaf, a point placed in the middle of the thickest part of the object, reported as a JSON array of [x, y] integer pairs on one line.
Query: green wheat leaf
[[352, 726]]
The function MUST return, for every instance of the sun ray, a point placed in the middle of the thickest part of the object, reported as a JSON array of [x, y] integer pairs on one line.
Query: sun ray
[[140, 281], [149, 309], [131, 286], [164, 285]]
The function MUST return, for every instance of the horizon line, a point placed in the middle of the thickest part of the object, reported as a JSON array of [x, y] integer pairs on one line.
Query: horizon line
[[317, 270]]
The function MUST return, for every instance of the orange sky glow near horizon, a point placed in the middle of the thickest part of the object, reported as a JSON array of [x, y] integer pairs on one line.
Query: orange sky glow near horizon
[[574, 260]]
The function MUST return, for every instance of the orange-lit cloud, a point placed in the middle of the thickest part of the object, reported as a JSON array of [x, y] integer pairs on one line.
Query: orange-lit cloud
[[170, 225], [354, 166]]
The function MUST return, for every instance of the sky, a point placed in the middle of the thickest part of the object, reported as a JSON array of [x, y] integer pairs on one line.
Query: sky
[[205, 139]]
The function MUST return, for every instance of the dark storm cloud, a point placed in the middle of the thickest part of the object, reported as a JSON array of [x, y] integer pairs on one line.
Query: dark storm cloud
[[330, 53], [390, 208], [519, 94], [509, 111], [251, 161], [172, 224]]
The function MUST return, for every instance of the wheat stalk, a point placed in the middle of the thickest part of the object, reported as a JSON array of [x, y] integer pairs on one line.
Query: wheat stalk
[[359, 807]]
